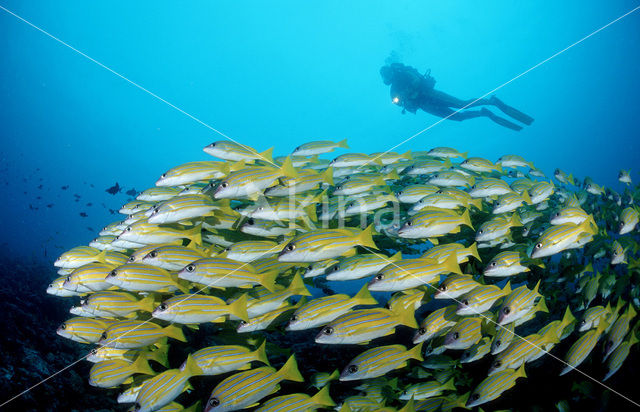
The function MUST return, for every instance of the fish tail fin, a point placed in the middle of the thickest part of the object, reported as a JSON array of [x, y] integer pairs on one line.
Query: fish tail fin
[[147, 303], [160, 355], [232, 167], [392, 175], [570, 179], [239, 308], [406, 155], [195, 234], [520, 373], [269, 280], [334, 375], [141, 365], [471, 181], [477, 203], [363, 297], [311, 212], [102, 256], [396, 257], [451, 265], [297, 286], [631, 312], [327, 176], [526, 197], [466, 219], [406, 316], [507, 288], [447, 163], [450, 384], [515, 220], [568, 317], [322, 397], [542, 305], [191, 367], [537, 286], [416, 352], [287, 168], [194, 408], [464, 155], [290, 372], [267, 155], [633, 339], [499, 167], [343, 144], [365, 238], [175, 332], [473, 250], [260, 354]]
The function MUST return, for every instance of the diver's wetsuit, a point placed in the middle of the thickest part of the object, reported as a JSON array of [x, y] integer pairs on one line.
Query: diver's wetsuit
[[413, 91]]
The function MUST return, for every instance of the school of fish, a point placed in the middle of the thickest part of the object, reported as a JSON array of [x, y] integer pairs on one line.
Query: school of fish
[[499, 261]]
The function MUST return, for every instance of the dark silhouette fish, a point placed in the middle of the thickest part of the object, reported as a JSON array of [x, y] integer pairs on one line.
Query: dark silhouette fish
[[131, 192], [83, 214], [65, 187], [114, 189]]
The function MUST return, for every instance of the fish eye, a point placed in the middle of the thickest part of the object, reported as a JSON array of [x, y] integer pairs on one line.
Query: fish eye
[[443, 287], [557, 214], [261, 208], [506, 310], [104, 335], [338, 187], [352, 369], [583, 322], [588, 186], [163, 306], [328, 330], [473, 187], [112, 273], [422, 331], [128, 229], [63, 326], [251, 222], [475, 396], [214, 402], [399, 193], [290, 247], [242, 323], [465, 302], [132, 258], [137, 407], [212, 145], [436, 175], [163, 175], [497, 364], [456, 335], [191, 267], [480, 231], [497, 203], [494, 264], [408, 223], [498, 342], [379, 277], [294, 318], [539, 245], [224, 184], [153, 254]]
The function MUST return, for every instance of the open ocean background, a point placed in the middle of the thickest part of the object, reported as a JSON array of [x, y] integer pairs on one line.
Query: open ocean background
[[279, 74]]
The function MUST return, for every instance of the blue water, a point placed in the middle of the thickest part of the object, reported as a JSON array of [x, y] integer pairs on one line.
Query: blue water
[[281, 73]]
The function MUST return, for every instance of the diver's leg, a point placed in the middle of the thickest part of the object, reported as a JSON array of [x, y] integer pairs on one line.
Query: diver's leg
[[470, 114], [500, 120], [511, 111], [450, 101]]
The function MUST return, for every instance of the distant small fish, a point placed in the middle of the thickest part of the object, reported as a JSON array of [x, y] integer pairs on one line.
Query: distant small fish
[[114, 189], [89, 204], [39, 186], [65, 187], [83, 214], [131, 192]]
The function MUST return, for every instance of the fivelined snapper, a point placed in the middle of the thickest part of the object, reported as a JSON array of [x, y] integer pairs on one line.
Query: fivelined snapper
[[380, 360], [442, 200], [464, 333], [575, 215], [592, 317], [618, 331], [322, 310], [480, 165], [193, 172], [173, 257], [319, 147], [165, 387], [518, 303], [158, 193], [216, 360], [138, 277], [410, 273], [221, 272], [307, 180], [437, 323], [560, 237], [493, 386], [131, 334], [148, 233], [355, 159], [360, 266], [506, 263], [624, 176], [563, 177], [317, 268], [195, 308], [581, 348], [298, 402], [522, 350], [620, 354], [428, 389], [322, 379], [455, 285], [269, 301], [514, 161], [89, 278], [245, 389], [509, 202], [447, 178], [182, 208], [79, 256], [540, 192], [434, 222], [55, 288], [594, 188], [446, 152], [489, 187], [476, 352], [426, 166], [157, 352], [116, 304], [413, 193], [84, 330], [628, 220], [366, 204], [356, 185], [229, 150], [115, 372], [618, 253], [442, 252], [481, 299], [249, 182], [265, 320], [502, 338], [363, 325], [250, 250], [497, 227], [323, 244], [268, 228]]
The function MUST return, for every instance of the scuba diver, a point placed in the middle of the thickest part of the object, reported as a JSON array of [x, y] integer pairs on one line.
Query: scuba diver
[[412, 91]]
